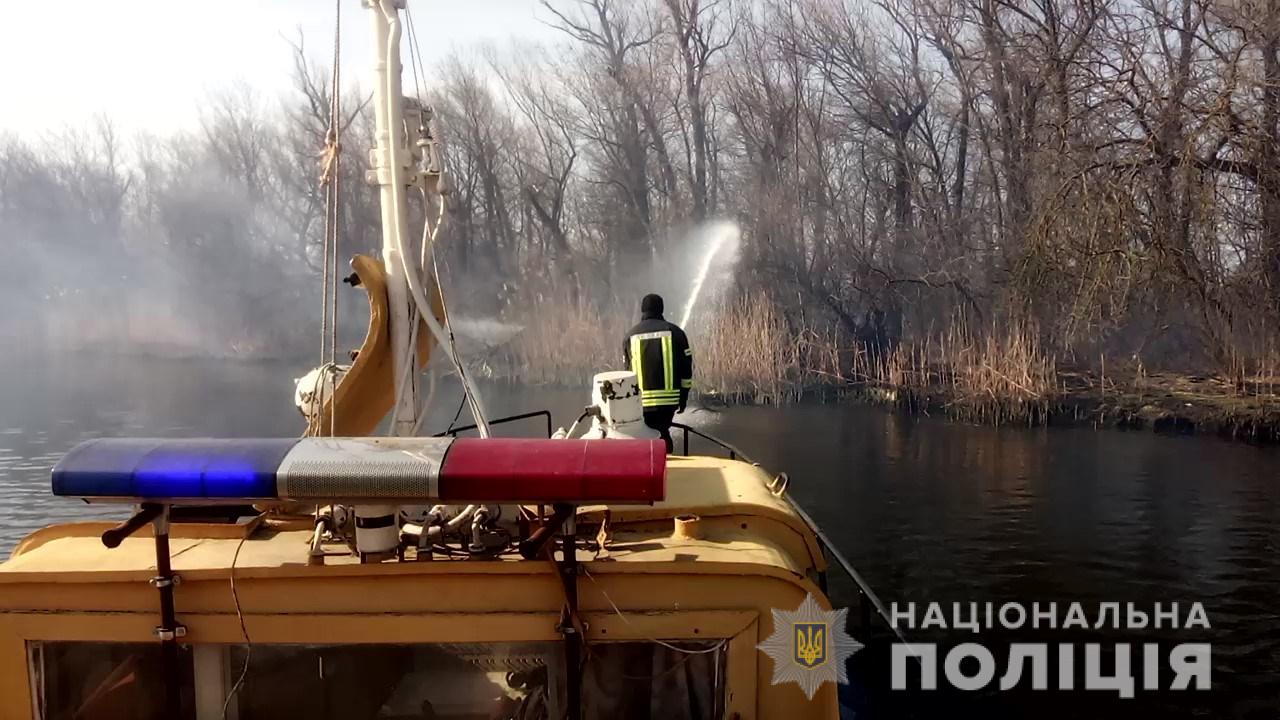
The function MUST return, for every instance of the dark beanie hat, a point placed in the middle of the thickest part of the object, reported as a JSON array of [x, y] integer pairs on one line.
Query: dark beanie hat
[[651, 304]]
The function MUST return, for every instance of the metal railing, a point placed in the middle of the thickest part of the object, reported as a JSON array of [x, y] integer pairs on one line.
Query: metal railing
[[867, 599], [502, 421], [734, 453]]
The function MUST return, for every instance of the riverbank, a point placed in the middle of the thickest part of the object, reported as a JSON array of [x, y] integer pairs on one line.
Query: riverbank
[[754, 355], [1183, 404], [1165, 403], [1005, 377]]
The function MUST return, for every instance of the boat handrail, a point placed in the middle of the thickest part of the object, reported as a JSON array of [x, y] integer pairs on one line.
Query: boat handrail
[[734, 453], [499, 421], [864, 590]]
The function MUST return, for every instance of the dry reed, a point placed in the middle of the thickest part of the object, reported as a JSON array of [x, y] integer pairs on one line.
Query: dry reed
[[753, 353], [565, 342], [1001, 376], [748, 354]]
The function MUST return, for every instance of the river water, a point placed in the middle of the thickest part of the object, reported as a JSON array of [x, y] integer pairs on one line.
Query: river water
[[929, 511]]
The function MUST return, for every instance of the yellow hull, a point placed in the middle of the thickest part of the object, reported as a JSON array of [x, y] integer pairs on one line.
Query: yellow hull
[[749, 555]]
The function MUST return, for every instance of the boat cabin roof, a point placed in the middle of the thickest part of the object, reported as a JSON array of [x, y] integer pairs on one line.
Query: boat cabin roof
[[740, 521]]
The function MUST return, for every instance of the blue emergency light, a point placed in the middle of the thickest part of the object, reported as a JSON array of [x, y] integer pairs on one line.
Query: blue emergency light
[[150, 468]]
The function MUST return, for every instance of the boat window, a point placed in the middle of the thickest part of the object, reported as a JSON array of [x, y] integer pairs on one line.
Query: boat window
[[648, 680], [523, 681], [99, 681], [508, 681]]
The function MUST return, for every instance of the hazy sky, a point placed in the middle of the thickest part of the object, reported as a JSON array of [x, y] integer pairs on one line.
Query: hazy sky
[[147, 64]]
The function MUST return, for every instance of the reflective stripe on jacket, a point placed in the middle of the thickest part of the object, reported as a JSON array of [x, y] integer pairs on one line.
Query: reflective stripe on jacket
[[658, 353]]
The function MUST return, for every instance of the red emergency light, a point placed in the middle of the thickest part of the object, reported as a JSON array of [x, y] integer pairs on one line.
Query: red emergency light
[[522, 470]]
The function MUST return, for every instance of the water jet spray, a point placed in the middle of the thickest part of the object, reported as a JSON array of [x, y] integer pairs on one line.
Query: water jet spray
[[723, 237]]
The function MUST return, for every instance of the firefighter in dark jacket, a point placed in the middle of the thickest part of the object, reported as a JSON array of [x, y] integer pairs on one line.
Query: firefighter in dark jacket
[[658, 353]]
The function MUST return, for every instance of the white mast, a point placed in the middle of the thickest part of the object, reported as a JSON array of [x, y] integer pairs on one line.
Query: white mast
[[391, 158], [376, 530]]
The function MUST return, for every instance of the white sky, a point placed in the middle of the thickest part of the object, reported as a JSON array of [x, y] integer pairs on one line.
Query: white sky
[[148, 64]]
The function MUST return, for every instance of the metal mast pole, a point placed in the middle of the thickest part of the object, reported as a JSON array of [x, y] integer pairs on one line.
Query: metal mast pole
[[391, 160], [376, 531]]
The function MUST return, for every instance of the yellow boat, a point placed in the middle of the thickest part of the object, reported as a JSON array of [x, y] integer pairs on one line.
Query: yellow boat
[[341, 575]]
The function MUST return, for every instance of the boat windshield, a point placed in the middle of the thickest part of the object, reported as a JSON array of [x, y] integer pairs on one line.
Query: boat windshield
[[513, 681]]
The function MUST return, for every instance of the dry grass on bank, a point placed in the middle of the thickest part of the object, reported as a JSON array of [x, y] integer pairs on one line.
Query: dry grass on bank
[[1259, 378], [748, 354], [565, 343], [751, 353], [1002, 376]]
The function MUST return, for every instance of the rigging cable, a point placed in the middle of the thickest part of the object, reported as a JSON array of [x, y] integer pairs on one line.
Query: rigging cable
[[426, 404], [415, 57], [330, 180], [335, 129], [663, 643], [414, 279], [469, 396], [428, 243]]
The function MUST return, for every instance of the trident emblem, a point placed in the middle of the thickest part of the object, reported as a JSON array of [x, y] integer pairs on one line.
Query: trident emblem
[[810, 644]]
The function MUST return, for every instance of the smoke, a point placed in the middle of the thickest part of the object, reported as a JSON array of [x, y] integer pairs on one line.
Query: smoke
[[694, 269], [170, 248], [151, 248]]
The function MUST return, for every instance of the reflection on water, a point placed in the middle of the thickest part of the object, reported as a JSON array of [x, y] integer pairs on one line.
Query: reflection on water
[[50, 403], [934, 511], [929, 511]]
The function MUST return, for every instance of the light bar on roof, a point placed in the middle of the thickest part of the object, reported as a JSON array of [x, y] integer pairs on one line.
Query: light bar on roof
[[373, 470]]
